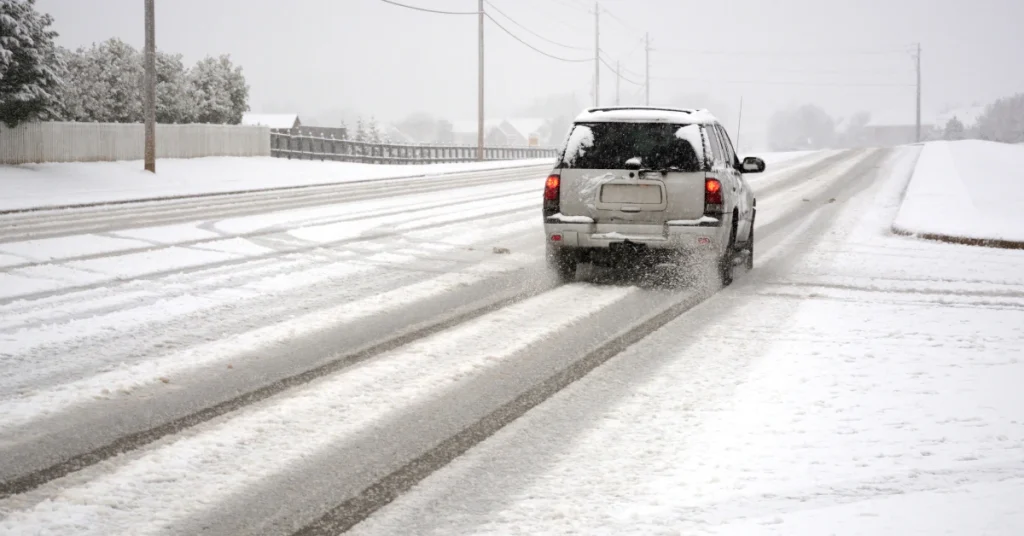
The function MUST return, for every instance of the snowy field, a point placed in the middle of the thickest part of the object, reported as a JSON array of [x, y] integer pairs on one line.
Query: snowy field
[[871, 385], [966, 189], [60, 184]]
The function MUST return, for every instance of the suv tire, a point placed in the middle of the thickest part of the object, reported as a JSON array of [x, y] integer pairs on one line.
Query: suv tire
[[725, 262], [563, 263], [750, 248]]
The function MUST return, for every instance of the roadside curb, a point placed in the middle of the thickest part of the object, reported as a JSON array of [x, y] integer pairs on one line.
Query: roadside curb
[[961, 240], [176, 197]]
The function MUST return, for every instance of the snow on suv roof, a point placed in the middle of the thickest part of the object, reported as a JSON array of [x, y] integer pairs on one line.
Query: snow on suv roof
[[645, 114]]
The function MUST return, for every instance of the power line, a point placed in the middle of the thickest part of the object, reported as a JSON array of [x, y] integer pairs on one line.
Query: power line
[[608, 65], [430, 10], [535, 34], [783, 52], [544, 5], [634, 73], [618, 19], [631, 52], [779, 82], [535, 49], [616, 71], [576, 4]]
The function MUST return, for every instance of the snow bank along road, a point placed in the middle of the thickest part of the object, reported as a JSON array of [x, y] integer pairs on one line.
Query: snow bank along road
[[273, 363]]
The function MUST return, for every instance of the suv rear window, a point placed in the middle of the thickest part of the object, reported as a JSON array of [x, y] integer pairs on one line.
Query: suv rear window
[[657, 145]]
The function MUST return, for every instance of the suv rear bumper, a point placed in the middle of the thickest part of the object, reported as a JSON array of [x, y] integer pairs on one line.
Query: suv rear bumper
[[700, 236]]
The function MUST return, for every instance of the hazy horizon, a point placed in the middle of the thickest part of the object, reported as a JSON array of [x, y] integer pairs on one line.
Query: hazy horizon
[[319, 57]]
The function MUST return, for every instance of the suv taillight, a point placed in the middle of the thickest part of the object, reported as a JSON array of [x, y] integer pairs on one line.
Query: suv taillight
[[712, 196], [551, 190]]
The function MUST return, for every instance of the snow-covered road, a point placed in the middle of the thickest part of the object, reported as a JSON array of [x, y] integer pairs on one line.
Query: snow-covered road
[[251, 367], [860, 384]]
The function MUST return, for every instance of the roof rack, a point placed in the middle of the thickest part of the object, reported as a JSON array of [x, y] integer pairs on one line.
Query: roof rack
[[656, 108]]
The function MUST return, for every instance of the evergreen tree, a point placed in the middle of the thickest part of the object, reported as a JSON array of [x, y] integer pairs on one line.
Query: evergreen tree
[[174, 102], [954, 130], [801, 128], [360, 130], [444, 132], [31, 67], [104, 83], [1003, 120], [219, 91], [373, 133]]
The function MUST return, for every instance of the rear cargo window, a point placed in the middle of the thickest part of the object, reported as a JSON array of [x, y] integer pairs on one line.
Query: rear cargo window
[[610, 145]]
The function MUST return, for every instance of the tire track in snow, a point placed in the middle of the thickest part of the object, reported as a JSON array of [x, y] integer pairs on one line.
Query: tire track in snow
[[134, 244], [234, 259], [25, 314], [267, 439], [70, 221], [566, 375], [191, 316]]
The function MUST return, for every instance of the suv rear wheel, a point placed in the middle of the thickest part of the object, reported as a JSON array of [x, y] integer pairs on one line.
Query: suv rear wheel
[[750, 248], [563, 263], [725, 262]]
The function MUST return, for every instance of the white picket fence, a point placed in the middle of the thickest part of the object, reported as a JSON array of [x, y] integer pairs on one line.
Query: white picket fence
[[103, 142]]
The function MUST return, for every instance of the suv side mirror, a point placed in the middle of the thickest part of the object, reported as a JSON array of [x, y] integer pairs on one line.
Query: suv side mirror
[[752, 164]]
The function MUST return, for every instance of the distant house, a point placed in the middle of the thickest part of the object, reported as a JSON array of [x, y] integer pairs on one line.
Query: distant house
[[527, 130], [274, 121], [895, 128], [465, 132], [516, 132], [393, 134]]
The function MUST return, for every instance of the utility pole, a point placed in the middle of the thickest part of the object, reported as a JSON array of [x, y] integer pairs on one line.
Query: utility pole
[[618, 83], [739, 126], [647, 54], [918, 58], [597, 54], [480, 89], [150, 90]]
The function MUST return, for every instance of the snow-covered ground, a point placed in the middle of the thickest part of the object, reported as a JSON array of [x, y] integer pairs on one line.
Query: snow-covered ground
[[854, 383], [780, 157], [966, 189], [113, 330], [36, 185], [858, 384], [90, 336]]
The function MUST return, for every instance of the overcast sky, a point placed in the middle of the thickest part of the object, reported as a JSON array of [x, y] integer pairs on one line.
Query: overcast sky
[[313, 56]]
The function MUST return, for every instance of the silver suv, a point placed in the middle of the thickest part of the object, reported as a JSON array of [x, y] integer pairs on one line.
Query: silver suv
[[646, 187]]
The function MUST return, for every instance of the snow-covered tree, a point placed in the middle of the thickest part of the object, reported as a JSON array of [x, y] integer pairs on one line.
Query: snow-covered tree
[[1003, 120], [344, 128], [855, 132], [360, 130], [219, 91], [31, 68], [104, 83], [174, 102], [805, 127], [444, 133], [372, 131], [954, 129]]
